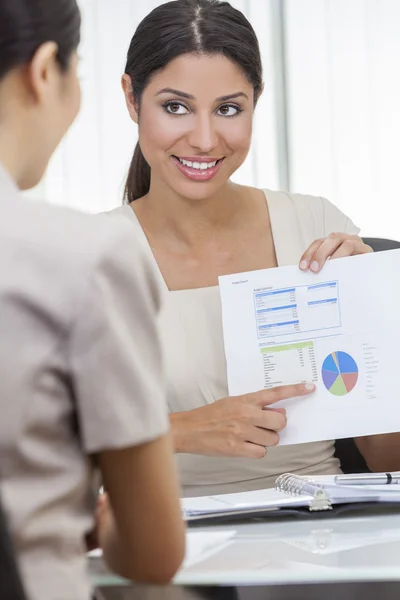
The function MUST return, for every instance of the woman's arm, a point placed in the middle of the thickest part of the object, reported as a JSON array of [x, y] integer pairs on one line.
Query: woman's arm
[[380, 452], [141, 532]]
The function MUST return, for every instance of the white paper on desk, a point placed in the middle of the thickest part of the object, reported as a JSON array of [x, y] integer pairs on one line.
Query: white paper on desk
[[339, 329]]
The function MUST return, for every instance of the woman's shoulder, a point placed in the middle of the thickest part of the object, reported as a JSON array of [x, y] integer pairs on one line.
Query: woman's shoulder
[[125, 210], [127, 216], [125, 213], [298, 202], [286, 203], [314, 214]]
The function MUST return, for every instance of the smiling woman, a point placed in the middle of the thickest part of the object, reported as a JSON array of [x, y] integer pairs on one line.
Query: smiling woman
[[192, 82], [195, 58]]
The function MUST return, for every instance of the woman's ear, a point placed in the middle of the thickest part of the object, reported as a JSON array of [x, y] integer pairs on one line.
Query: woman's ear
[[130, 102], [43, 70]]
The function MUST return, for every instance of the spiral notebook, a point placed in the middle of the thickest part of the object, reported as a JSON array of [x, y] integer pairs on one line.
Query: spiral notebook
[[291, 491]]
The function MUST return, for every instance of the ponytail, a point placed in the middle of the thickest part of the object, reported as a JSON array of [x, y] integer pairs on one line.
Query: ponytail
[[138, 181]]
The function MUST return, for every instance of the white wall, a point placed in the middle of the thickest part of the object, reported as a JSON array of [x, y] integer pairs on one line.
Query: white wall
[[89, 169], [343, 76]]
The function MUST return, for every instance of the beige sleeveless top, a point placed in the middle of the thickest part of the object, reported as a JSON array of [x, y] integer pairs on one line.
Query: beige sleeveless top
[[192, 339]]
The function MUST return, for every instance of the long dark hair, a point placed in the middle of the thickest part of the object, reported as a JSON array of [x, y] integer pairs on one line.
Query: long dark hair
[[27, 24], [181, 27]]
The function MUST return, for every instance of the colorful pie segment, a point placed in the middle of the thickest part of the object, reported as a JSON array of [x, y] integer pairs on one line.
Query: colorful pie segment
[[339, 373]]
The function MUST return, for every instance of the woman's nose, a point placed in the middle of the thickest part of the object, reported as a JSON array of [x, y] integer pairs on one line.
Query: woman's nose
[[203, 136]]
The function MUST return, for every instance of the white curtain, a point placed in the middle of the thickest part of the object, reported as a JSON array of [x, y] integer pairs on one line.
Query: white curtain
[[343, 92], [89, 169]]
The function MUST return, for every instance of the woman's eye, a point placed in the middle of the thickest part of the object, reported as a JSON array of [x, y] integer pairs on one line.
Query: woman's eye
[[228, 111], [174, 108]]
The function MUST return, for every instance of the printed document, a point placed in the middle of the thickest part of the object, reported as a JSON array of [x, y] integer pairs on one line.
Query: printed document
[[339, 329]]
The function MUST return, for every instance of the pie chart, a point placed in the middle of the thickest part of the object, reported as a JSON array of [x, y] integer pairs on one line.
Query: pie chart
[[339, 373]]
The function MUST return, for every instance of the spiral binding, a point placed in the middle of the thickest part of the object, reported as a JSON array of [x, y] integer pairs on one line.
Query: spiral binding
[[298, 486]]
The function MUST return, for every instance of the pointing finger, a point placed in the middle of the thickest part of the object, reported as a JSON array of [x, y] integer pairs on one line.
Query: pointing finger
[[284, 392]]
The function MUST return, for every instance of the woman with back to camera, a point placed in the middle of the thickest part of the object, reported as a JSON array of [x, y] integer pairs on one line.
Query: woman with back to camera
[[193, 97], [79, 364]]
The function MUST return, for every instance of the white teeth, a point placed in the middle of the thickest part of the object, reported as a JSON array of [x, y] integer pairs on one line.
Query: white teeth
[[201, 166]]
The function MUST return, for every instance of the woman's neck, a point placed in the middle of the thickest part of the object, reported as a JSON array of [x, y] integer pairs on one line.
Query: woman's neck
[[192, 222], [11, 154], [14, 138]]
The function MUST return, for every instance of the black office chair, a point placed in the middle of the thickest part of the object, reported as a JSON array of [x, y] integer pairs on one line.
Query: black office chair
[[379, 244], [10, 581], [346, 451]]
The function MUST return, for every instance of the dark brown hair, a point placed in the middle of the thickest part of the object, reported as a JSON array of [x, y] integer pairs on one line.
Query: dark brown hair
[[27, 24], [184, 27]]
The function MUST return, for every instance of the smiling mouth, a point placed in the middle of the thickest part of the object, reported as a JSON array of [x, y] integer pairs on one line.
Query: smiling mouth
[[200, 166]]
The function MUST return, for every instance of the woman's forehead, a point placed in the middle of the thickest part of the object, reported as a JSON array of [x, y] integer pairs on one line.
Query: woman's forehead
[[201, 75]]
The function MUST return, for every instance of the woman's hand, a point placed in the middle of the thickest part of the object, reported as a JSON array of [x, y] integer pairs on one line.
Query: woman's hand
[[241, 426], [336, 245], [103, 512]]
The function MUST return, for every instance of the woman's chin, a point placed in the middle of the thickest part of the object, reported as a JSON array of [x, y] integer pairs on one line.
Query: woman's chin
[[197, 190]]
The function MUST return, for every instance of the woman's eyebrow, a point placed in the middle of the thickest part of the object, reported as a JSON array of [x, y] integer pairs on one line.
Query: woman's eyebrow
[[175, 93]]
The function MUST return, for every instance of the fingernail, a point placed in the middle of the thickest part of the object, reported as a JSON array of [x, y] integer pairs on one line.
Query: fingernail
[[309, 387], [314, 266], [303, 265]]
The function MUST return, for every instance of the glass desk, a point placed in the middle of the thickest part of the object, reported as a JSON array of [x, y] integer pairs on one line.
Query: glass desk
[[280, 552], [328, 591]]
